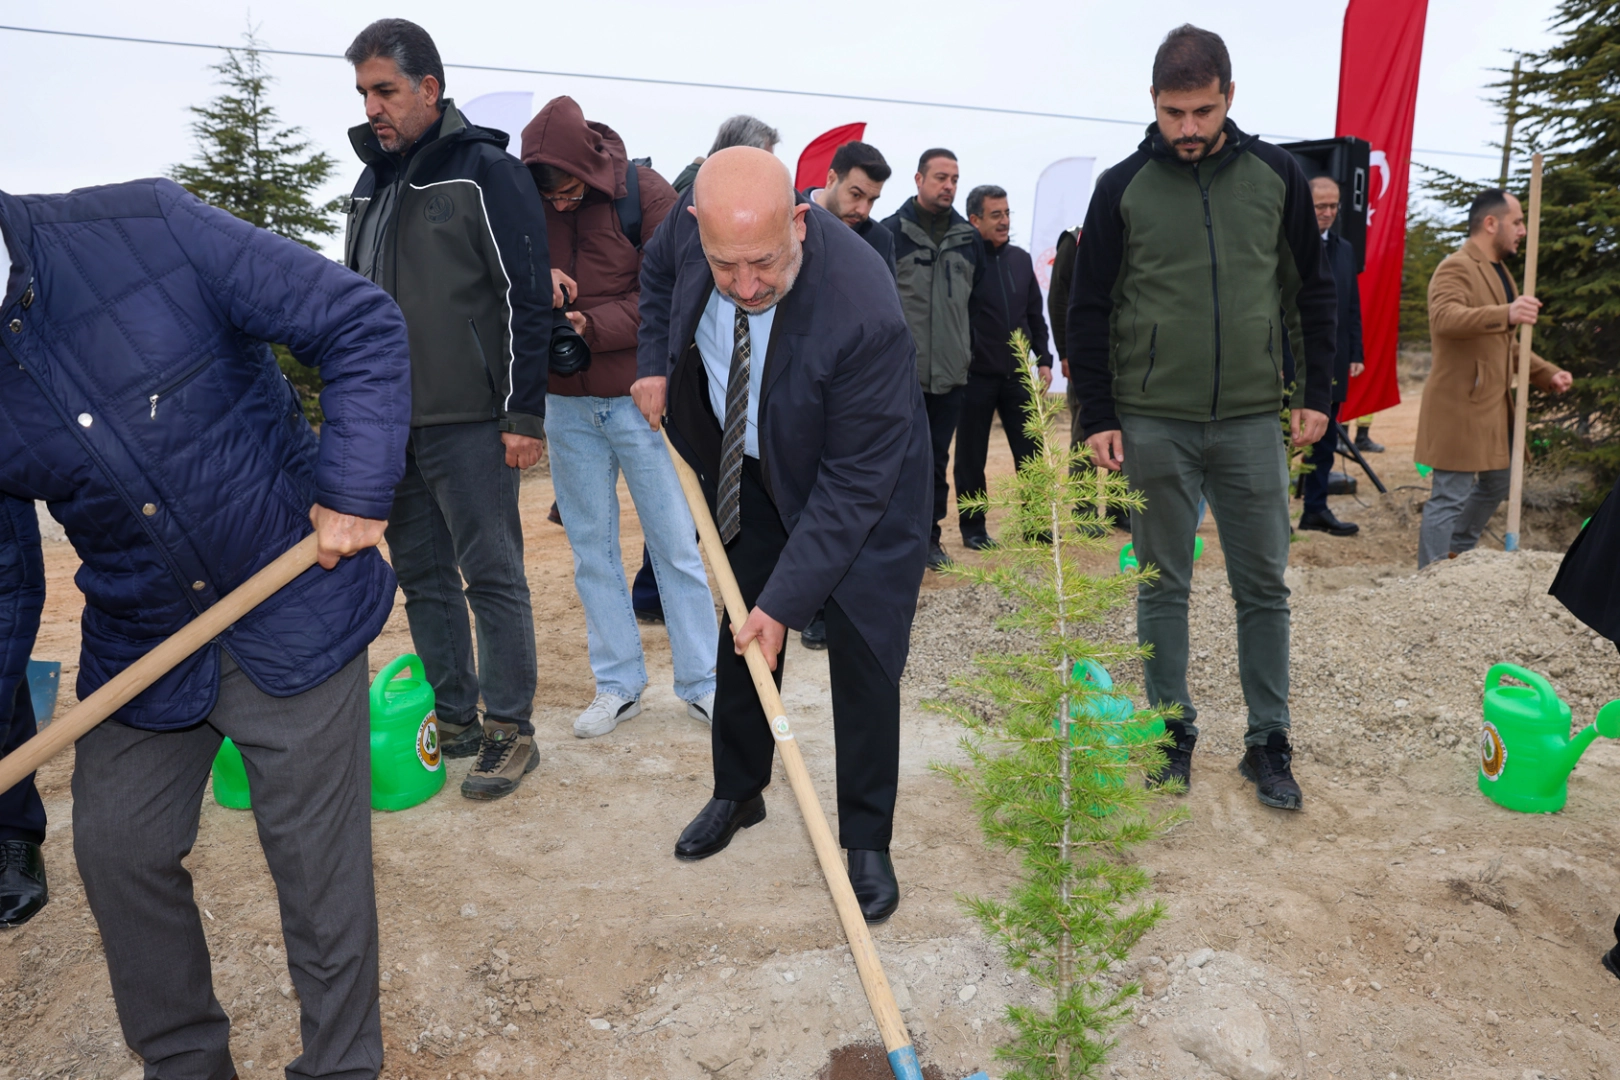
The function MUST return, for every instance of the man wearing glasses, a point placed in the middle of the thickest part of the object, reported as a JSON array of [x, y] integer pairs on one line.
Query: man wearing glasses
[[1007, 299], [1347, 363]]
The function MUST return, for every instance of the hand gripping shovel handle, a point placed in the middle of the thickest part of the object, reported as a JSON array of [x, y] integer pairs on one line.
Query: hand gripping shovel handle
[[154, 665], [902, 1058]]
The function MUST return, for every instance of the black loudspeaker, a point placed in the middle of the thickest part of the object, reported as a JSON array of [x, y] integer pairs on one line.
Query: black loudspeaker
[[1348, 160]]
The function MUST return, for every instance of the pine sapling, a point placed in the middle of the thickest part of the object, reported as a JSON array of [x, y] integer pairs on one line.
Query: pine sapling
[[1054, 773]]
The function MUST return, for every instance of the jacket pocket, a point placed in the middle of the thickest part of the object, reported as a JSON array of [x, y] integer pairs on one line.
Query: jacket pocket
[[1153, 355], [176, 384], [483, 361]]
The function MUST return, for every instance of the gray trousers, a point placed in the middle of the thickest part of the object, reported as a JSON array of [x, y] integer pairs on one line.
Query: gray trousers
[[455, 520], [136, 800], [1460, 506], [1241, 467]]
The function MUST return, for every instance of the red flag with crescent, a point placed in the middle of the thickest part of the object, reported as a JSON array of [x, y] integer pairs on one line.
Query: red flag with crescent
[[1378, 84]]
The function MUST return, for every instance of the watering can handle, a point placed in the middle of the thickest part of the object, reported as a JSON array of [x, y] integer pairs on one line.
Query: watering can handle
[[1538, 683], [387, 674]]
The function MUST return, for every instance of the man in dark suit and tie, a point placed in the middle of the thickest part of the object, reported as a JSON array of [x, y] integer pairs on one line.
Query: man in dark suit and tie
[[773, 345], [1347, 362]]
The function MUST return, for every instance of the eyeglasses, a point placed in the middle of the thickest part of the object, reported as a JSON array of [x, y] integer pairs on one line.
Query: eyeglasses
[[563, 198], [1333, 206]]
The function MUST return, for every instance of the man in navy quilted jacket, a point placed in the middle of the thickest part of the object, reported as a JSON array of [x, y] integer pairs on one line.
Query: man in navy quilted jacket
[[138, 399]]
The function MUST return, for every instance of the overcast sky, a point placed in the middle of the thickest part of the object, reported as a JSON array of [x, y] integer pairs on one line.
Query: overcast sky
[[90, 112]]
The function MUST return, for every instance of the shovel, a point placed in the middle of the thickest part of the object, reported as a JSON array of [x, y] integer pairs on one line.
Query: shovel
[[63, 733], [902, 1055]]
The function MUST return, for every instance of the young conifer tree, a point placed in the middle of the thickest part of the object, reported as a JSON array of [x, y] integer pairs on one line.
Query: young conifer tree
[[266, 174], [1052, 775]]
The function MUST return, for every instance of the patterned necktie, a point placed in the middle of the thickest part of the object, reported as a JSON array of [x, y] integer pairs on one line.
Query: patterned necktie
[[734, 439]]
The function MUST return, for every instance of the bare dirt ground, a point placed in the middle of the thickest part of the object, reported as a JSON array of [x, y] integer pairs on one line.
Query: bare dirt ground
[[1400, 926]]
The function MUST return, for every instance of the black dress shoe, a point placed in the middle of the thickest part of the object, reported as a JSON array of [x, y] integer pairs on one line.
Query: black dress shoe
[[872, 875], [22, 882], [937, 559], [1365, 444], [977, 542], [716, 824], [814, 636], [1326, 522]]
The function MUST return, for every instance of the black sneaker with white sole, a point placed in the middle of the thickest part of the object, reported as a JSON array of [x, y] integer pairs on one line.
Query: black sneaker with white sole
[[1268, 768]]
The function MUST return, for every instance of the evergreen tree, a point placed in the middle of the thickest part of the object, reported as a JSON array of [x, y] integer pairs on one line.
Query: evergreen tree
[[1568, 108], [263, 173], [1428, 240], [1055, 758]]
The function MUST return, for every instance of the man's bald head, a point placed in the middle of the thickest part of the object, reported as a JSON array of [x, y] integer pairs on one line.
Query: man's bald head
[[750, 227]]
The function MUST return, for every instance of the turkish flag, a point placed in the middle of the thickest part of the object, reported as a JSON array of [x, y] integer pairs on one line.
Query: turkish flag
[[817, 157], [1378, 84]]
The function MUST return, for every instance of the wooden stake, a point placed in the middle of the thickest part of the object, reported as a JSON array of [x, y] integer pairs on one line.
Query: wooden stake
[[902, 1058], [1521, 401], [66, 731]]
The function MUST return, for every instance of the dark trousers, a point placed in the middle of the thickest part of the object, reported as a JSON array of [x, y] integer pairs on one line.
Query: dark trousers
[[455, 520], [136, 800], [866, 705], [943, 412], [1320, 458], [983, 398], [22, 814]]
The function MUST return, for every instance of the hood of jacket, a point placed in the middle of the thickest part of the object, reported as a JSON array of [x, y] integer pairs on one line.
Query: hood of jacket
[[561, 137], [1154, 146]]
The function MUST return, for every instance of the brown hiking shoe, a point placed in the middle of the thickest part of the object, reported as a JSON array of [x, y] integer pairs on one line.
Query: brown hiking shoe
[[503, 760]]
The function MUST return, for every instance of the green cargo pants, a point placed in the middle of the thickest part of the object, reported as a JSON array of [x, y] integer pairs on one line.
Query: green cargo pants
[[1241, 467]]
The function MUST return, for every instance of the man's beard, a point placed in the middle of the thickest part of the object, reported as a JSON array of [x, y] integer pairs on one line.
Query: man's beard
[[775, 296], [1200, 146]]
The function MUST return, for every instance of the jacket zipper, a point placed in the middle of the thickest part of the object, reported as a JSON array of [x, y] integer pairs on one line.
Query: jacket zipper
[[528, 246], [176, 384], [1214, 277], [1153, 354], [1271, 353]]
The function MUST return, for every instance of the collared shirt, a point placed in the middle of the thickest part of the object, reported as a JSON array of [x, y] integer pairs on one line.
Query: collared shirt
[[716, 338]]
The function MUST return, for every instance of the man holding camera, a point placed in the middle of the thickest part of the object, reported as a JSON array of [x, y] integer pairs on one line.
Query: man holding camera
[[601, 209], [451, 226]]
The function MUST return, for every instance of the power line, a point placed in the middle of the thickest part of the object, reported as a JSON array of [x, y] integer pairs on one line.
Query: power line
[[647, 81]]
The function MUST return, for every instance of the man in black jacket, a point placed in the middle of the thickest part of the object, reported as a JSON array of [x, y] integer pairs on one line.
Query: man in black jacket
[[1007, 299], [1199, 252], [855, 182], [776, 340], [1347, 363], [453, 228]]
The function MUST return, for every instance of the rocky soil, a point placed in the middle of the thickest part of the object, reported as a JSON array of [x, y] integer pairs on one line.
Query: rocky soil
[[1400, 926]]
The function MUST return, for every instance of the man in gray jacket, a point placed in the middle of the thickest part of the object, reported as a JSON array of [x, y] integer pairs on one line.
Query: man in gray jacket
[[452, 227], [939, 259]]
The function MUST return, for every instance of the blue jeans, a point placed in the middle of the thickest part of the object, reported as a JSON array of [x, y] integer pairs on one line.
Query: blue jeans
[[592, 440], [455, 519]]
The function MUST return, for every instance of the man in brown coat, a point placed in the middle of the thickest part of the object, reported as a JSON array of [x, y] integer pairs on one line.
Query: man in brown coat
[[1467, 414]]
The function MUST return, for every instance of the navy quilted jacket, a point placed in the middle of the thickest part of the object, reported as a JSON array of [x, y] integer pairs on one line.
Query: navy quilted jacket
[[140, 401]]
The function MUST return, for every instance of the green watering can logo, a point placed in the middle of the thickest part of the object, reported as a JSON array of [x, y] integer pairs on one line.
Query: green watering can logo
[[1525, 750]]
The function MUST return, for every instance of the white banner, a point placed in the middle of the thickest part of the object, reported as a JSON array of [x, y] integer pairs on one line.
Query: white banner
[[509, 111], [1061, 196]]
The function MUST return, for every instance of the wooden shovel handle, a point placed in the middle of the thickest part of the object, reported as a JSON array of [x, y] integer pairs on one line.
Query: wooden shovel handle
[[876, 984], [61, 734]]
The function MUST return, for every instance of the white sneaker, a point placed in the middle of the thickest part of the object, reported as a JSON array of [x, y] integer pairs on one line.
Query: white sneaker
[[702, 709], [604, 714]]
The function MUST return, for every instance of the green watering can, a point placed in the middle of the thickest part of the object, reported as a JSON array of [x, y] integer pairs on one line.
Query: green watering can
[[1115, 711], [1127, 555], [1525, 752], [230, 777], [406, 766]]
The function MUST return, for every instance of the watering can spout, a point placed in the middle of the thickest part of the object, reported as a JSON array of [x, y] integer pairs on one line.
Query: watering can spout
[[1607, 724]]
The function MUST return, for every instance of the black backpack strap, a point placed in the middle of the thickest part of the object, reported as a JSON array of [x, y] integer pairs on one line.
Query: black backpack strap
[[629, 207]]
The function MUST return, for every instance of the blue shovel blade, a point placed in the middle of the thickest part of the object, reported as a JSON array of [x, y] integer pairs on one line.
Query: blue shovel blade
[[43, 678]]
